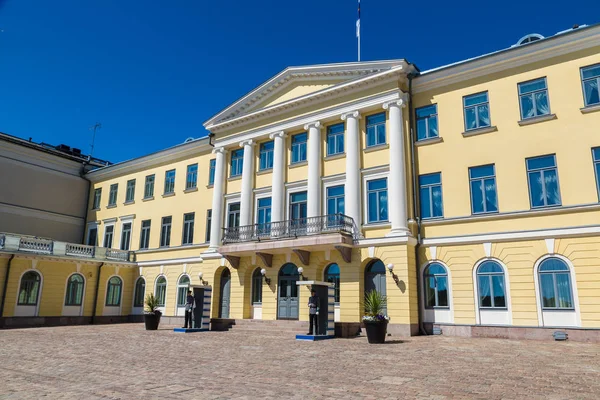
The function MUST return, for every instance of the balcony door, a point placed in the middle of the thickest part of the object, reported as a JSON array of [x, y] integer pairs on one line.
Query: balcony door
[[298, 212], [287, 301]]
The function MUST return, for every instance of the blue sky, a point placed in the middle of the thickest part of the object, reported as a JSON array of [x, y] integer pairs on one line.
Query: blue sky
[[153, 71]]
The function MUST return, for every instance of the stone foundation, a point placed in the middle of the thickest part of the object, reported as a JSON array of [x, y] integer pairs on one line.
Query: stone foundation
[[514, 332], [36, 322]]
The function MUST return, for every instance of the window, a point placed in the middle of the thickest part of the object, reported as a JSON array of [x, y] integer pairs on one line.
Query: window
[[208, 223], [140, 289], [542, 176], [299, 147], [430, 192], [145, 234], [211, 171], [555, 284], [377, 200], [182, 288], [92, 236], [427, 122], [590, 79], [376, 129], [263, 216], [97, 197], [29, 290], [126, 236], [112, 194], [266, 156], [113, 292], [335, 206], [149, 187], [483, 189], [237, 162], [108, 236], [533, 98], [257, 282], [161, 291], [165, 232], [490, 285], [332, 275], [130, 193], [191, 179], [74, 296], [596, 158], [477, 111], [170, 181], [335, 139], [188, 228], [436, 286], [233, 215]]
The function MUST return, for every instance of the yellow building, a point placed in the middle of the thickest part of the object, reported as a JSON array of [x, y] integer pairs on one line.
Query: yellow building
[[439, 188]]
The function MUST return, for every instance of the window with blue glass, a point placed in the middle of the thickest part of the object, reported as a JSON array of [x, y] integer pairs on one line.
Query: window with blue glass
[[376, 129], [533, 98], [211, 171], [263, 216], [170, 181], [436, 286], [335, 200], [335, 139], [555, 284], [299, 147], [266, 156], [377, 201], [542, 176], [427, 122], [477, 111], [430, 192], [483, 189], [596, 158], [590, 79], [237, 162], [490, 285]]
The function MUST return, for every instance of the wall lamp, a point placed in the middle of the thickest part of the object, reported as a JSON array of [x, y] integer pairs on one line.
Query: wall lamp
[[300, 271], [390, 268], [263, 272], [200, 275]]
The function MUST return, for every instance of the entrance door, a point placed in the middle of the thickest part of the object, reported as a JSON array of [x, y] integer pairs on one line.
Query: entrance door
[[375, 277], [298, 212], [287, 302], [225, 293]]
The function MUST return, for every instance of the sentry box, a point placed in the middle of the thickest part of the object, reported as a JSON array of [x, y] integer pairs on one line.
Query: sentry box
[[326, 294], [201, 312]]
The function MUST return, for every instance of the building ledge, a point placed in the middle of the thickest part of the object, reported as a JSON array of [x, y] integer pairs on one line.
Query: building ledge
[[190, 190], [168, 194], [298, 164], [148, 198], [335, 156], [234, 178], [590, 109], [129, 202], [376, 148], [535, 120], [426, 142], [264, 171], [480, 131], [111, 206]]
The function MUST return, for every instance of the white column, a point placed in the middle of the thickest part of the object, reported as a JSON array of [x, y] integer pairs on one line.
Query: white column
[[277, 186], [397, 179], [217, 203], [313, 203], [247, 183], [352, 188]]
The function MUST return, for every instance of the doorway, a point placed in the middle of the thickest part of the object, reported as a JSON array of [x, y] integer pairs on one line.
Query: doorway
[[225, 293], [287, 301]]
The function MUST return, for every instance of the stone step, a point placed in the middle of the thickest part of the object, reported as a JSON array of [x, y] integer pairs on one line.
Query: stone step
[[269, 326]]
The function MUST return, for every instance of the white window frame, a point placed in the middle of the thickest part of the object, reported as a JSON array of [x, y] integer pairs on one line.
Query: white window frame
[[126, 219], [25, 310], [290, 189], [332, 182], [230, 199], [109, 222], [138, 310], [74, 311], [370, 175], [162, 308], [113, 310], [91, 225], [497, 316], [257, 196], [180, 310], [436, 315]]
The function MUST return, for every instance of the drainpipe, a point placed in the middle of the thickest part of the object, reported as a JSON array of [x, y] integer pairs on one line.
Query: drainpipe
[[211, 136], [5, 285], [97, 293]]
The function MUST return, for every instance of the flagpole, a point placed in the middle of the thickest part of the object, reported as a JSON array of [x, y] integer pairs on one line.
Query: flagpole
[[358, 30]]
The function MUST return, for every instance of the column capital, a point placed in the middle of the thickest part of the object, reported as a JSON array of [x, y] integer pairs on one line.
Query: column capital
[[315, 124], [401, 102], [249, 142], [351, 114], [280, 134], [221, 150]]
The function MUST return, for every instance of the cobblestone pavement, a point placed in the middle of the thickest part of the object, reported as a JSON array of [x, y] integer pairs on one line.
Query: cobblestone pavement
[[127, 362]]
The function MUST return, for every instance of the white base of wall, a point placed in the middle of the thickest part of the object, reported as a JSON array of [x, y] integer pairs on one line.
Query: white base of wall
[[336, 313], [257, 311], [494, 317], [180, 311], [25, 311], [108, 310], [71, 311], [441, 316], [559, 318], [137, 310]]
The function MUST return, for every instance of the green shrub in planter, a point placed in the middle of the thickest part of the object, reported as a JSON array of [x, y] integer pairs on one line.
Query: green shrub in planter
[[375, 320], [152, 314]]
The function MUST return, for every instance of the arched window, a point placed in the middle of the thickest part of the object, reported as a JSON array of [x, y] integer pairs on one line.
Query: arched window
[[30, 289], [490, 285], [332, 275], [161, 290], [257, 281], [113, 292], [555, 284], [140, 289], [436, 286], [182, 288], [74, 295]]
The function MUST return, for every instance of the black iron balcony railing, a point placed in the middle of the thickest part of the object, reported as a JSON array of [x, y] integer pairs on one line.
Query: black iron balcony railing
[[333, 223]]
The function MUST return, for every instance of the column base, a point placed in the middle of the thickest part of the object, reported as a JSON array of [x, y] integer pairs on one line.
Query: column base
[[211, 253], [399, 232]]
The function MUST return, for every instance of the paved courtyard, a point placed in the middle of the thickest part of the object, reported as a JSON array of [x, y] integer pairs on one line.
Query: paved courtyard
[[126, 362]]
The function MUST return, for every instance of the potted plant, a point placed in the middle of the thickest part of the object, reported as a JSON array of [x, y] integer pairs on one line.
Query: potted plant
[[375, 320], [152, 313]]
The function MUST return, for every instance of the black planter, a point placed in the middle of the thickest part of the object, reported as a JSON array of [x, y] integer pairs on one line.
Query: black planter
[[152, 320], [376, 331]]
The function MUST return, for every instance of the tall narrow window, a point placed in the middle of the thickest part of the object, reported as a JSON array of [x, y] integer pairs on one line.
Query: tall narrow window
[[299, 147], [263, 216], [165, 232], [92, 237], [113, 292], [427, 122], [335, 139], [335, 206], [555, 284], [145, 234], [149, 187], [208, 223], [125, 236], [237, 162], [211, 172], [257, 282], [233, 215], [109, 230], [596, 158], [170, 181], [483, 189], [376, 129], [590, 79], [29, 289], [332, 275], [130, 192], [533, 98], [97, 197], [542, 175], [430, 191], [436, 286], [191, 179], [74, 295], [140, 292], [182, 288], [112, 195], [266, 156], [491, 285], [477, 111], [188, 228], [377, 200], [161, 291]]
